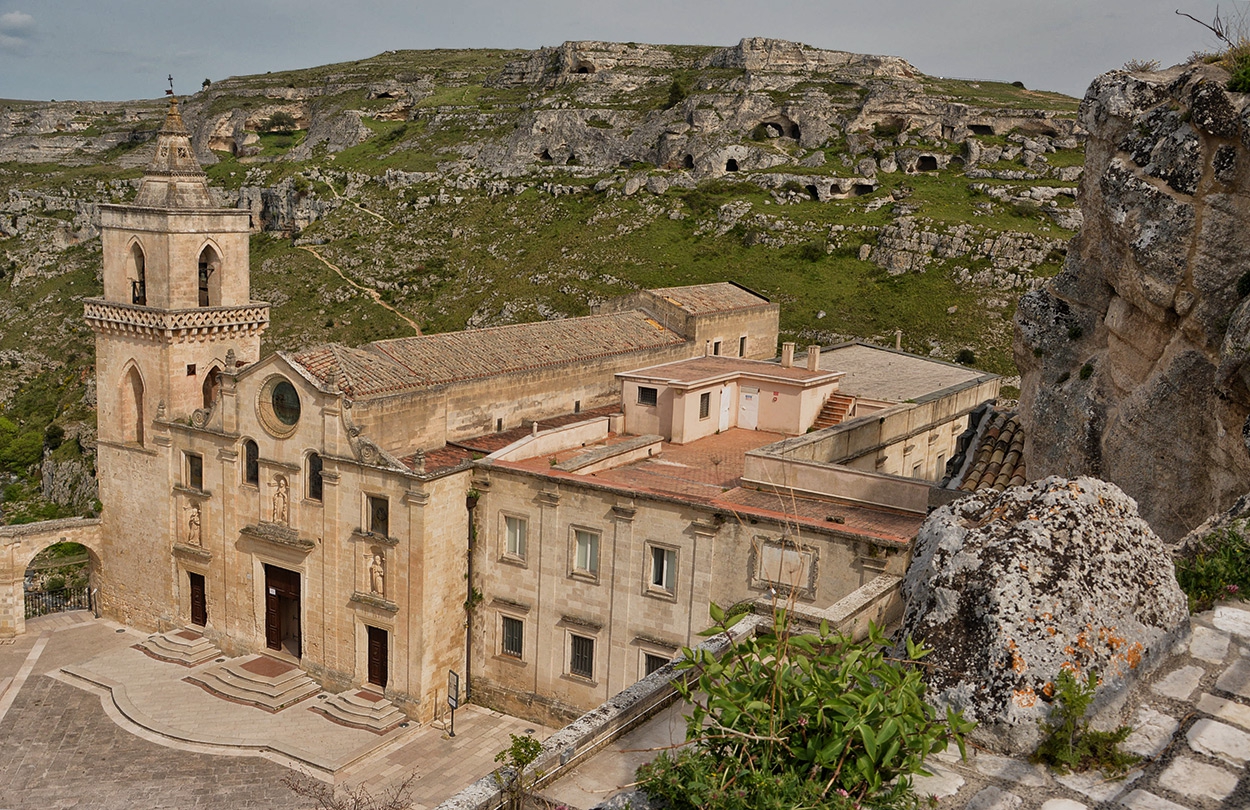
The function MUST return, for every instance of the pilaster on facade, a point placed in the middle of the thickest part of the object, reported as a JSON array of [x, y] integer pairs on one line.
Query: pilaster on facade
[[176, 325]]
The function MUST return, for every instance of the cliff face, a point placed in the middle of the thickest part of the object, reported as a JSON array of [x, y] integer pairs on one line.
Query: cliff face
[[1134, 358]]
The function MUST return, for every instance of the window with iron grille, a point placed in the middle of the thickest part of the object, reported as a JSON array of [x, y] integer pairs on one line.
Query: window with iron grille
[[647, 395], [653, 662], [513, 637], [705, 404], [582, 659], [379, 515]]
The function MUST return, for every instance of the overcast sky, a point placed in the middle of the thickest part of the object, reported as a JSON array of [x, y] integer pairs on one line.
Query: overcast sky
[[123, 49]]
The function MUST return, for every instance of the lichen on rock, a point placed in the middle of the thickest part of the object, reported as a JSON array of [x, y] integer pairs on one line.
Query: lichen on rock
[[1011, 588]]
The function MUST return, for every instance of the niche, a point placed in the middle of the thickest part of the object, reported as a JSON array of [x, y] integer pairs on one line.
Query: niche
[[731, 165]]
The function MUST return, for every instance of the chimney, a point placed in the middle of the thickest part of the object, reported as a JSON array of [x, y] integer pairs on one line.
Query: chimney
[[813, 358], [534, 429], [787, 355], [707, 348]]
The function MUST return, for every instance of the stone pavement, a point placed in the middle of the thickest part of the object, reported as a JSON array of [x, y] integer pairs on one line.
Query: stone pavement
[[68, 743], [1192, 726]]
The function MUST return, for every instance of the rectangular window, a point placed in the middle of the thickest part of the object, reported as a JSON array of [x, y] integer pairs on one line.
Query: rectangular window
[[586, 557], [716, 348], [653, 662], [647, 395], [195, 471], [917, 470], [705, 404], [512, 637], [663, 568], [379, 515], [515, 530], [742, 346], [582, 657]]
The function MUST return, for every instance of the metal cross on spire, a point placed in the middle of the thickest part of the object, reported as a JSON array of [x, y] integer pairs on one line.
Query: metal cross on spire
[[170, 91]]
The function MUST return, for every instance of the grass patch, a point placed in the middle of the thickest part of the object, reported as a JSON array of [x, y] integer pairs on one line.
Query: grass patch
[[1217, 567]]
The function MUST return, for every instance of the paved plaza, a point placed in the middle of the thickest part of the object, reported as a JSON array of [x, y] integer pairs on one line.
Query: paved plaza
[[66, 743]]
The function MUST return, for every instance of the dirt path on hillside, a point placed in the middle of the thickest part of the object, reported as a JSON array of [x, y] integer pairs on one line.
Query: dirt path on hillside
[[372, 293]]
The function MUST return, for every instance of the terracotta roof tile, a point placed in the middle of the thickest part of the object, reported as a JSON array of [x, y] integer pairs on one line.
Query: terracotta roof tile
[[391, 366], [998, 461]]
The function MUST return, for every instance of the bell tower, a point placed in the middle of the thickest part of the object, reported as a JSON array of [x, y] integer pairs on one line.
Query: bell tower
[[176, 295]]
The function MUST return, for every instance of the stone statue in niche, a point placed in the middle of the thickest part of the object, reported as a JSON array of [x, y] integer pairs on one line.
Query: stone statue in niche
[[194, 536], [377, 575], [281, 501]]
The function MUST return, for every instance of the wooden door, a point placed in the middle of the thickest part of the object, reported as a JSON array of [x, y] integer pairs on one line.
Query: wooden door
[[199, 604], [377, 656]]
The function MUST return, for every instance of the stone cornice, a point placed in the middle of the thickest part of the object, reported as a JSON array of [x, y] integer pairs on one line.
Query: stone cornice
[[181, 325]]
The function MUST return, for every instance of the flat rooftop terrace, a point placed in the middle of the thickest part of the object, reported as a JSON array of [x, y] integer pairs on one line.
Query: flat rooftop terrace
[[873, 372]]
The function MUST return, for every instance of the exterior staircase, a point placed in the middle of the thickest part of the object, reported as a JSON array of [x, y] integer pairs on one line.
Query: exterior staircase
[[257, 680], [836, 408], [186, 647], [362, 708]]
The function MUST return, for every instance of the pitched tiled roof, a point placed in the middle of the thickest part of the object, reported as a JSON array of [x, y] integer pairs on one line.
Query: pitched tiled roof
[[392, 366], [999, 459], [719, 297]]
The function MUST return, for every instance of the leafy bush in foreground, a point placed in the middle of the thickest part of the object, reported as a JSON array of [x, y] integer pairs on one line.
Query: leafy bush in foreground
[[802, 721]]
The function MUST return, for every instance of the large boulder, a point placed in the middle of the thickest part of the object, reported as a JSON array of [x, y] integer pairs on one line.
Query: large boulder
[[1011, 588], [1135, 360]]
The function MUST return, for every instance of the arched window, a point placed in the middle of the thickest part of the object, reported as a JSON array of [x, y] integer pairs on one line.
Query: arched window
[[210, 287], [212, 386], [314, 477], [137, 277], [132, 407], [251, 463]]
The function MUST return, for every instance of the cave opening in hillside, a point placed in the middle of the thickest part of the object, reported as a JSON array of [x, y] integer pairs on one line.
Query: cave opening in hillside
[[957, 162], [860, 189], [545, 155], [981, 129], [585, 67], [688, 162], [927, 163], [813, 192], [731, 165]]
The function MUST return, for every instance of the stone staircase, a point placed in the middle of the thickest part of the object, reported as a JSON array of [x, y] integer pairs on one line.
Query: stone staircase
[[257, 680], [835, 410], [362, 708], [186, 647]]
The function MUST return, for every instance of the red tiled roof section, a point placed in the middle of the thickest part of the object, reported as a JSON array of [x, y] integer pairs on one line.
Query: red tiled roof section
[[720, 297], [360, 371], [392, 366], [444, 458], [999, 460], [479, 353]]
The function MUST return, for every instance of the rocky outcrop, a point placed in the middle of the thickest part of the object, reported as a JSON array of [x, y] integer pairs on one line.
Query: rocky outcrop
[[1010, 588], [1134, 359]]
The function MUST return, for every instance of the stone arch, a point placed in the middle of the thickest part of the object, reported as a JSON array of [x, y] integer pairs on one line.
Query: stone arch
[[130, 398], [136, 273], [19, 545], [209, 275], [211, 387]]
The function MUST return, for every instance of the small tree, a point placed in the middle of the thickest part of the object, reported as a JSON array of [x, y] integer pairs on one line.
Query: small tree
[[281, 121], [801, 721], [207, 83], [511, 776], [329, 797]]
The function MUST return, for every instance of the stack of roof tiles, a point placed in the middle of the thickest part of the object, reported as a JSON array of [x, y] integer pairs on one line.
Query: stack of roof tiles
[[999, 459]]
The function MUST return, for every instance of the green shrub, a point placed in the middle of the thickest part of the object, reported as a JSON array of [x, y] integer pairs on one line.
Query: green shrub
[[812, 251], [1087, 371], [801, 721], [677, 93], [280, 121], [1075, 332], [1240, 80], [1216, 567], [966, 357], [1070, 744]]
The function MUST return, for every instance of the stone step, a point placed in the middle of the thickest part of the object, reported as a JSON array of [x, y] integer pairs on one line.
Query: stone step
[[259, 681], [186, 647], [361, 708]]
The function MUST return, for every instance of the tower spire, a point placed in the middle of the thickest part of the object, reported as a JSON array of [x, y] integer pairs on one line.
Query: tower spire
[[174, 178]]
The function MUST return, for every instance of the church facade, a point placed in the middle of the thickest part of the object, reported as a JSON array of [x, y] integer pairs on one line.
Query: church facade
[[511, 503]]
